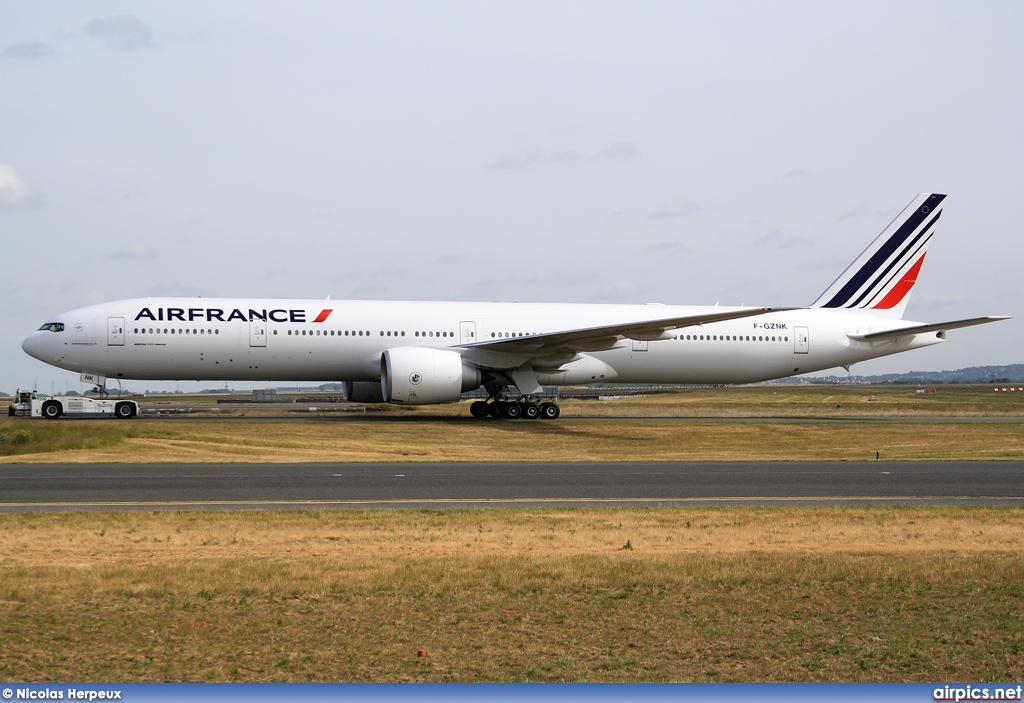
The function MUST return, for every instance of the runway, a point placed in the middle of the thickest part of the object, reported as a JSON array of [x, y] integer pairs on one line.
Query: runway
[[58, 487]]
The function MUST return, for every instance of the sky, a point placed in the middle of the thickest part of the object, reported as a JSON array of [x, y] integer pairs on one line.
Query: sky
[[613, 152]]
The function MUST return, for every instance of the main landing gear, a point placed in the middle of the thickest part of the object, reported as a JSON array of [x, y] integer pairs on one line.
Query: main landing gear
[[525, 407]]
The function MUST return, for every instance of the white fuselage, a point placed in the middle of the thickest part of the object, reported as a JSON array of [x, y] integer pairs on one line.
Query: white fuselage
[[324, 340]]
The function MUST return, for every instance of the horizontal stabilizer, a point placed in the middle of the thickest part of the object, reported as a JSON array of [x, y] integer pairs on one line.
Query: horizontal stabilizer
[[921, 329]]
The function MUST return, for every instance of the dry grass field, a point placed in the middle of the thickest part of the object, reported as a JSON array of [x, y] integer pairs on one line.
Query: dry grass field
[[769, 594], [600, 594], [464, 439], [676, 425]]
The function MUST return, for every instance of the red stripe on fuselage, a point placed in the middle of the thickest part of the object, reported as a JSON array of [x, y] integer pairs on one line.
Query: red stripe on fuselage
[[323, 315], [900, 290]]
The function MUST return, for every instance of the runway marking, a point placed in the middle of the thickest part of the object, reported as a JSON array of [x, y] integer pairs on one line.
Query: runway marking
[[413, 501]]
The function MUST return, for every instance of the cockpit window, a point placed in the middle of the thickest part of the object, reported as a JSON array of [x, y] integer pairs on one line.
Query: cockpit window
[[53, 327]]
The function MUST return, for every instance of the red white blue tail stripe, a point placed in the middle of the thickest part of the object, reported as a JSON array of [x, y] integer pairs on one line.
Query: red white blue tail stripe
[[881, 278]]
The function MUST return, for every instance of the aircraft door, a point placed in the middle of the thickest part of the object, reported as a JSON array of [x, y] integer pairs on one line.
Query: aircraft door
[[801, 340], [640, 345], [115, 331], [257, 333], [467, 334]]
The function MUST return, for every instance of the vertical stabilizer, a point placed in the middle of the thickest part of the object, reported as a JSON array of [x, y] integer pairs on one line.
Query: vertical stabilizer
[[881, 278]]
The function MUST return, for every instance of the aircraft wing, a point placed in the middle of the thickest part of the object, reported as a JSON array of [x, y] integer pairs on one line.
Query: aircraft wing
[[606, 337], [921, 329]]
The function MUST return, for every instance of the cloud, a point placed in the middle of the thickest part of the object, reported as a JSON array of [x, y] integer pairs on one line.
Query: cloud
[[621, 151], [135, 251], [121, 33], [13, 190], [523, 158], [777, 240], [798, 173], [681, 209], [450, 259], [28, 50], [856, 212], [566, 155], [669, 249], [773, 237]]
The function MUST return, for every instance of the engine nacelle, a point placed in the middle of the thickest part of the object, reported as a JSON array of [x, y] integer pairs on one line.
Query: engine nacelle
[[419, 376], [362, 391]]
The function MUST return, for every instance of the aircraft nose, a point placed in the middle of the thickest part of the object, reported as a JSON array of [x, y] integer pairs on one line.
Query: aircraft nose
[[33, 346]]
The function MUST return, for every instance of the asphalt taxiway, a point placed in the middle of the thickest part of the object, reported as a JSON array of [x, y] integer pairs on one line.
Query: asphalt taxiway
[[57, 487]]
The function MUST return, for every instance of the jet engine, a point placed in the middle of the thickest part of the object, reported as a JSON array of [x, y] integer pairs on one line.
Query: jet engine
[[420, 376], [362, 391]]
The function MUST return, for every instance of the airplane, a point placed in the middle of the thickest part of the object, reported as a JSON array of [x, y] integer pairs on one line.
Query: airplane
[[421, 353]]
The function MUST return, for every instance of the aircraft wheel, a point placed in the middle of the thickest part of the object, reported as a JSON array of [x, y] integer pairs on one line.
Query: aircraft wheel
[[51, 410], [513, 411], [531, 411], [479, 409], [549, 411]]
